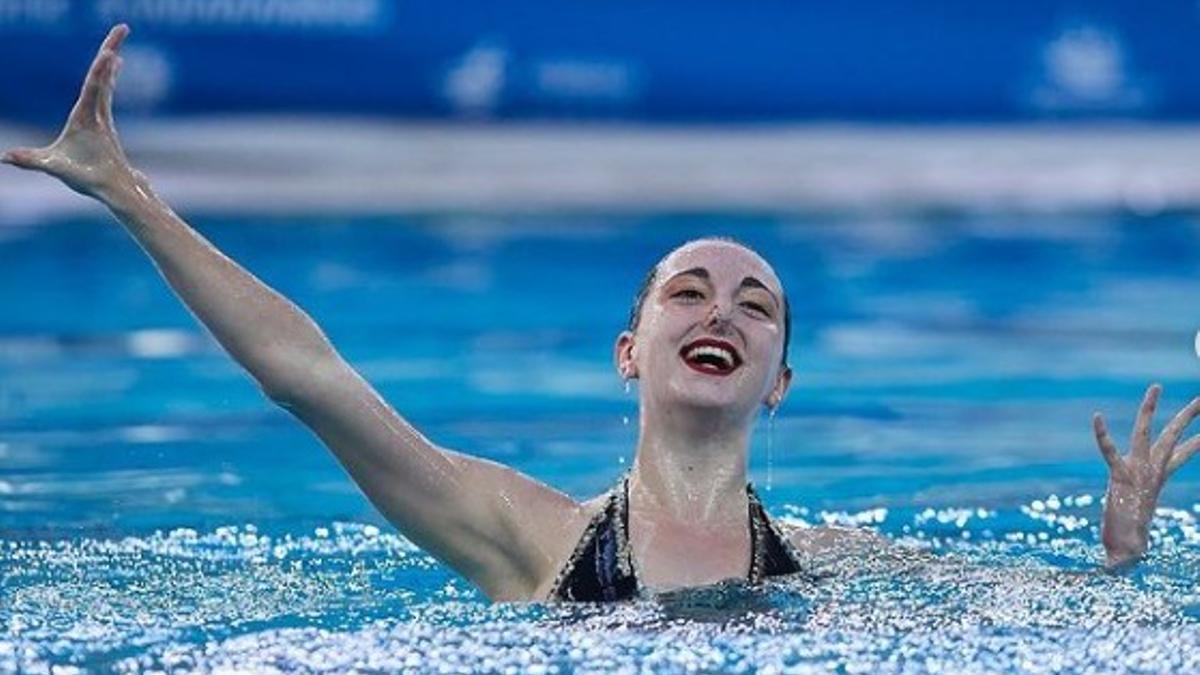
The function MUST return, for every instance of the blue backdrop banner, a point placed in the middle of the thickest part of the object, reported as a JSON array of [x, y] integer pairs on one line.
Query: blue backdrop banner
[[701, 60]]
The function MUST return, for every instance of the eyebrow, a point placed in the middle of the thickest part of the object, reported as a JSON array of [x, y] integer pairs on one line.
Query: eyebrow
[[695, 271], [748, 282], [751, 282]]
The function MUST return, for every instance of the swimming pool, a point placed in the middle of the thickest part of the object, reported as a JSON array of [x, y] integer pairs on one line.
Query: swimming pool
[[157, 513]]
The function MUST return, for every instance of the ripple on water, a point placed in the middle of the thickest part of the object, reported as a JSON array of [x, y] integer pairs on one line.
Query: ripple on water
[[348, 596]]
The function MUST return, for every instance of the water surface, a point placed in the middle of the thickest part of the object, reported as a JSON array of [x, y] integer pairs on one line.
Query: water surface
[[156, 512]]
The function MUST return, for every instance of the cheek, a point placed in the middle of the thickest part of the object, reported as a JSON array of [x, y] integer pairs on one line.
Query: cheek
[[653, 346], [665, 349], [767, 338], [667, 328]]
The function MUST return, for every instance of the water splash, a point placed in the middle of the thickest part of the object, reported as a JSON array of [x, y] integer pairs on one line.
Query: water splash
[[770, 448], [350, 596], [625, 418]]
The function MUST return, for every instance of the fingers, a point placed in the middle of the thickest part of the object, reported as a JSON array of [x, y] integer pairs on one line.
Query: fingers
[[104, 104], [95, 97], [112, 66], [115, 38], [1183, 453], [1108, 449], [1139, 443], [96, 94], [1174, 429]]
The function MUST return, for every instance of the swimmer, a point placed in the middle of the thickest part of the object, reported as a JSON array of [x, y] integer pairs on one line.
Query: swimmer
[[707, 341]]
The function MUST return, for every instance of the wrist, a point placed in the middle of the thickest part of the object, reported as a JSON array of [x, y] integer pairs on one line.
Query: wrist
[[127, 192], [1124, 543], [1125, 531], [1121, 562], [1125, 546]]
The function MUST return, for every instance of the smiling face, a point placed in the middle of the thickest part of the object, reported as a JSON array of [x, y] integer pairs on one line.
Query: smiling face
[[710, 333]]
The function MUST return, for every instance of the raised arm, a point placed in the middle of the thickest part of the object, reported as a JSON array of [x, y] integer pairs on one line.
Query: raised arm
[[1136, 480], [501, 529]]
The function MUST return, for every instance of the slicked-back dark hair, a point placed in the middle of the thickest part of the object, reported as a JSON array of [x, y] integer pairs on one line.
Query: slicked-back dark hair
[[639, 300]]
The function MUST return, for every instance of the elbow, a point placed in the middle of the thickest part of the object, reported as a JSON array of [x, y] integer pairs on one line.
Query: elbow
[[283, 396], [289, 380]]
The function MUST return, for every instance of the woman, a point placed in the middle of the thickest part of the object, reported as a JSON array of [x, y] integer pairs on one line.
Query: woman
[[707, 341]]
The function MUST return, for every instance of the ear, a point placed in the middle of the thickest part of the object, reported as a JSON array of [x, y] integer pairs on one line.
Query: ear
[[624, 357], [782, 381]]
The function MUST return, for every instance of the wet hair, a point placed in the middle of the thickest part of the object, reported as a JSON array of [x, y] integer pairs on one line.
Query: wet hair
[[639, 300]]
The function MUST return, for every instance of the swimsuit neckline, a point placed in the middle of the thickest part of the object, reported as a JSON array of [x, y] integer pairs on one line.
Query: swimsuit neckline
[[625, 558], [602, 568]]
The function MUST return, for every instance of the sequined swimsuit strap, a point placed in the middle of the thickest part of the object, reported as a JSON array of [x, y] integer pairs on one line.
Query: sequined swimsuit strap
[[772, 553], [599, 569]]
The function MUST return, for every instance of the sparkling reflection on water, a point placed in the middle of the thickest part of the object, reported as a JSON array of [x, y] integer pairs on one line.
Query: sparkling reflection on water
[[155, 513], [350, 596]]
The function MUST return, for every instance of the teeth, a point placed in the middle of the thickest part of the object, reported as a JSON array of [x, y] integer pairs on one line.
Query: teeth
[[709, 350]]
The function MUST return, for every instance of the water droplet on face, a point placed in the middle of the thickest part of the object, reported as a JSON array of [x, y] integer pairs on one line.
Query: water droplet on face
[[770, 448]]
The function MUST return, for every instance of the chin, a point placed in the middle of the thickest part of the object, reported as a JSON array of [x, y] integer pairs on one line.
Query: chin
[[717, 398]]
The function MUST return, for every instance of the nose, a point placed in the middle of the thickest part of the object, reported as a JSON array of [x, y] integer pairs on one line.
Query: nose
[[717, 317]]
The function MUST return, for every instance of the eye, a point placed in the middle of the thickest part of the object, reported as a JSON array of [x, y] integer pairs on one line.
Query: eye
[[688, 294], [756, 308]]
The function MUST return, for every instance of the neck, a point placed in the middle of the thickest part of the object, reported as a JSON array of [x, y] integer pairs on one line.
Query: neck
[[692, 472]]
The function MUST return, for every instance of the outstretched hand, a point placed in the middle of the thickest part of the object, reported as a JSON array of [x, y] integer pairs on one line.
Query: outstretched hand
[[87, 155], [1136, 480]]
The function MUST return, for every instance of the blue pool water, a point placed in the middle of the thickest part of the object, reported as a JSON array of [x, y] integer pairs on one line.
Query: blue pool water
[[157, 513]]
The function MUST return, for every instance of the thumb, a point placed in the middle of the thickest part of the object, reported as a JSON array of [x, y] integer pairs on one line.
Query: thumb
[[25, 158], [22, 157]]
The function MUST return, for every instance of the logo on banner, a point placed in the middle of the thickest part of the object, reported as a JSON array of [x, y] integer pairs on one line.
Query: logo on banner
[[474, 84], [33, 12]]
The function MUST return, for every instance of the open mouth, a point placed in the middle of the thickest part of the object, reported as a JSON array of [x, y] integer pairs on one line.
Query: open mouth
[[711, 356]]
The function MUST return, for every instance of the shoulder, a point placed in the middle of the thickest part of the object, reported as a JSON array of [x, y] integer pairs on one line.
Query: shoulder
[[828, 539]]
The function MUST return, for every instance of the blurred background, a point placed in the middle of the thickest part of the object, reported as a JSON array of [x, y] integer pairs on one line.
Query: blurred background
[[382, 106]]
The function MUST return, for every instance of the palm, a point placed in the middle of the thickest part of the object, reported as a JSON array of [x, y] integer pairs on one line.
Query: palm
[[87, 155]]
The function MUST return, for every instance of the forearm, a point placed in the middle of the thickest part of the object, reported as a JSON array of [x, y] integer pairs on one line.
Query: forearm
[[262, 330]]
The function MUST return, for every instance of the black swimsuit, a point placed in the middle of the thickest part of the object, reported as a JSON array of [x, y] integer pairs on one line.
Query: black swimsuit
[[601, 568]]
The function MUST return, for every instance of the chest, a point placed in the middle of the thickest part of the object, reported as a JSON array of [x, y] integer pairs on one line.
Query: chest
[[671, 555]]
